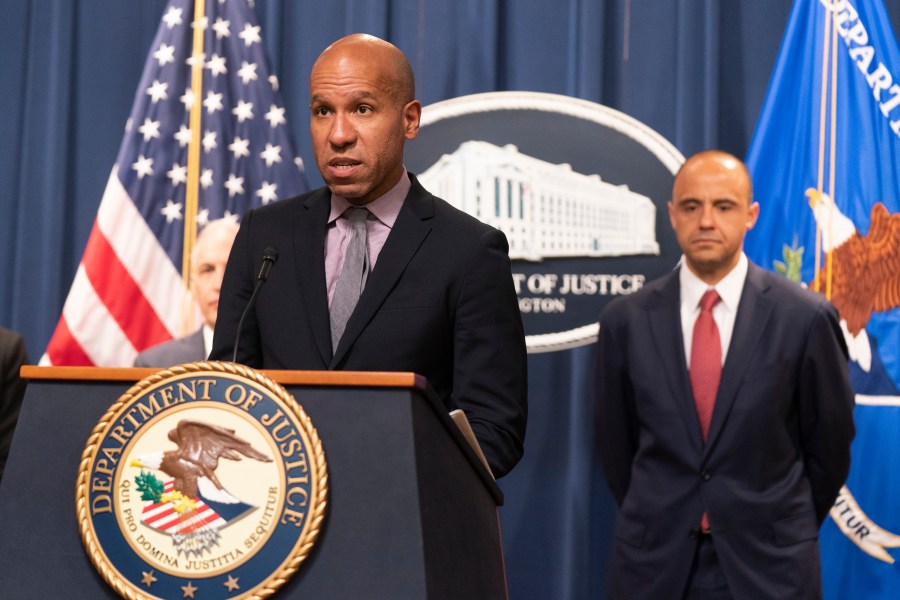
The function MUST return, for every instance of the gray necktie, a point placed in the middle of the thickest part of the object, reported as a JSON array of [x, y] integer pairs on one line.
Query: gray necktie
[[352, 279]]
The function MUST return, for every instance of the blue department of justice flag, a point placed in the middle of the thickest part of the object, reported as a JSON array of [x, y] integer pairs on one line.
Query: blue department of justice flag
[[127, 292], [825, 162]]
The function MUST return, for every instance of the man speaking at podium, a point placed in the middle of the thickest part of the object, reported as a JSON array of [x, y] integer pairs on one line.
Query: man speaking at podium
[[374, 273]]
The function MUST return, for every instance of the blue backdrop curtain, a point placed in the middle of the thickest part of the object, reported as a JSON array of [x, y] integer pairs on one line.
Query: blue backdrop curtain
[[694, 70]]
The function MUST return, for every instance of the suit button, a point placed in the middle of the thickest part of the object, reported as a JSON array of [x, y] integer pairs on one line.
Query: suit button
[[705, 475]]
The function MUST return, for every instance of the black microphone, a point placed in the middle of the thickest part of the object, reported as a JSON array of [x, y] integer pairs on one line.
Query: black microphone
[[270, 255]]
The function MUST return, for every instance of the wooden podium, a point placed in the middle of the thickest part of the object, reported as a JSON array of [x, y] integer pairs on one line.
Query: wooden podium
[[411, 511]]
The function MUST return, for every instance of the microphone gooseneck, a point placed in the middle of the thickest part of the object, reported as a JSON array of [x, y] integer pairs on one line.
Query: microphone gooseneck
[[270, 255]]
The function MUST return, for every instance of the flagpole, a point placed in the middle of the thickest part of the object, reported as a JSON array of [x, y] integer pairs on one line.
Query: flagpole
[[831, 162], [823, 105], [191, 196]]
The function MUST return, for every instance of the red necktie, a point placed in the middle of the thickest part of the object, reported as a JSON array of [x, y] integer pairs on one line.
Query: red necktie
[[706, 360], [706, 367]]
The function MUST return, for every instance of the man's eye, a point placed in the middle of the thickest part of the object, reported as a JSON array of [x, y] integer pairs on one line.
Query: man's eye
[[320, 111], [364, 110]]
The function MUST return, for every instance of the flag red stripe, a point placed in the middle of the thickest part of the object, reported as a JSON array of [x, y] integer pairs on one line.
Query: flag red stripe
[[213, 516], [187, 516], [64, 349], [158, 516], [193, 518], [121, 294]]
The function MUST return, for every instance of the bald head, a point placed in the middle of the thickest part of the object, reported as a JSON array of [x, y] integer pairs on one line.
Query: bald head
[[362, 110], [396, 72], [709, 161], [711, 210]]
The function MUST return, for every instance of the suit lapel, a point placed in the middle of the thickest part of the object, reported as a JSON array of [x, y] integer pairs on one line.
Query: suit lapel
[[309, 248], [754, 310], [195, 343], [665, 327], [408, 233]]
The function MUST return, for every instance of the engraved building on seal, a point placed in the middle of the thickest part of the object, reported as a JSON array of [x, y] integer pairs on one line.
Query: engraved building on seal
[[545, 210]]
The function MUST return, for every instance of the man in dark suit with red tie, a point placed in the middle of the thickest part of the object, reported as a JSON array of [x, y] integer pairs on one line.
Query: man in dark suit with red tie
[[724, 411], [375, 273]]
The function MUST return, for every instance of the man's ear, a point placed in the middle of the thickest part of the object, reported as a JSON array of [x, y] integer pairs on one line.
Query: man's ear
[[412, 114], [752, 215]]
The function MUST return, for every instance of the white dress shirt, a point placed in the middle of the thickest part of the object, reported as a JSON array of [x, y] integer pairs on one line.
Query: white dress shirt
[[207, 340], [724, 312]]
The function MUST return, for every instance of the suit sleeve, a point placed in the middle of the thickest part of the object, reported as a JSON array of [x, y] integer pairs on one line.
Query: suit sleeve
[[153, 356], [12, 391], [237, 288], [616, 423], [490, 363], [141, 360], [826, 403]]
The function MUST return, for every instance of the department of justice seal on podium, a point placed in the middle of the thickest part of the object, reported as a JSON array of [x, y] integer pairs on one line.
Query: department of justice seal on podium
[[205, 480]]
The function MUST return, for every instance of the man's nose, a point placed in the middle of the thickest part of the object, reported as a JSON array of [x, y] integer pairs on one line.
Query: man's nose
[[342, 131], [706, 215]]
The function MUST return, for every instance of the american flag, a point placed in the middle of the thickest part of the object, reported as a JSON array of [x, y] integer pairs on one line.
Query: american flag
[[128, 290]]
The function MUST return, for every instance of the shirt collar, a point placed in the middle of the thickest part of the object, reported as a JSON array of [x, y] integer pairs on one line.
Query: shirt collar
[[207, 340], [385, 208], [729, 288]]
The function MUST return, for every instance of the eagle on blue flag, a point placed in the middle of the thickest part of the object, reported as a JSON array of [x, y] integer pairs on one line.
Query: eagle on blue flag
[[824, 162]]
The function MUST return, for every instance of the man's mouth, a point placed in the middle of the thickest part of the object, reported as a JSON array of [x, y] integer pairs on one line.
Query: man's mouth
[[339, 165]]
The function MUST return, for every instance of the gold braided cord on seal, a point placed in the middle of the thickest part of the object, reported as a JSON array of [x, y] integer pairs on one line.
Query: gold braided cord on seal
[[319, 472]]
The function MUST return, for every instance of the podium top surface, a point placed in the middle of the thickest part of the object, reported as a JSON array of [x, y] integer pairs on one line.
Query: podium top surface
[[321, 378], [361, 379]]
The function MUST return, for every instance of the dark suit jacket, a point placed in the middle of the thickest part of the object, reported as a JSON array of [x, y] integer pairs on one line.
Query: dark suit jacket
[[777, 453], [12, 388], [440, 302], [185, 349]]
